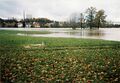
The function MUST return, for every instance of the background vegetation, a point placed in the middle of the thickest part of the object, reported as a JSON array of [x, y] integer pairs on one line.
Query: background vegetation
[[91, 18]]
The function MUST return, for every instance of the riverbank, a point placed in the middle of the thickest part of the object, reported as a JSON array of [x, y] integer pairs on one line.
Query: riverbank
[[43, 59]]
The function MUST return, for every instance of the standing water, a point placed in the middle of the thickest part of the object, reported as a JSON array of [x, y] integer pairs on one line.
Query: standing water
[[102, 33]]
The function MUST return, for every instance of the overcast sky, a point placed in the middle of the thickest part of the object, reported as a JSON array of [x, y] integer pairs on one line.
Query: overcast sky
[[57, 9]]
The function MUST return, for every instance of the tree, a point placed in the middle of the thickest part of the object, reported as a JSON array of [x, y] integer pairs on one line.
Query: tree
[[90, 16], [1, 22], [73, 19], [82, 20], [100, 18], [10, 22]]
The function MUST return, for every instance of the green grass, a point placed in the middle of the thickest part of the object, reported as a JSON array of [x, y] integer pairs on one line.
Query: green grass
[[23, 32], [59, 60]]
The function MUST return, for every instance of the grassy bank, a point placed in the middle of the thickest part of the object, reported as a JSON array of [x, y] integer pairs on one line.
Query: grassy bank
[[38, 59]]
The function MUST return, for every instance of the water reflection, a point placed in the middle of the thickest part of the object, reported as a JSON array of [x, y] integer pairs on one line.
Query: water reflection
[[96, 32]]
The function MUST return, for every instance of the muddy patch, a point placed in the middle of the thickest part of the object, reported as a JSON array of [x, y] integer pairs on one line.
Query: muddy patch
[[42, 45]]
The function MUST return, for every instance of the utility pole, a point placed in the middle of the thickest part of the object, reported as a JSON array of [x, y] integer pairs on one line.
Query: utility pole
[[24, 23]]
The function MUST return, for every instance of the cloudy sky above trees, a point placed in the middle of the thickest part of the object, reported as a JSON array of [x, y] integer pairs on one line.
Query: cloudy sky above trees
[[57, 9]]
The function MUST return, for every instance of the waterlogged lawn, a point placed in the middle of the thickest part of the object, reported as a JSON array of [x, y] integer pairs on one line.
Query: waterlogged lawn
[[58, 60], [23, 32], [10, 38]]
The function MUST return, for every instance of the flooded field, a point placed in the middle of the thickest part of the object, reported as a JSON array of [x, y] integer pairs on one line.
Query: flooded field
[[102, 33]]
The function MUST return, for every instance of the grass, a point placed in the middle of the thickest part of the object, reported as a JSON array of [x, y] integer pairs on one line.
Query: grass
[[23, 32], [58, 60]]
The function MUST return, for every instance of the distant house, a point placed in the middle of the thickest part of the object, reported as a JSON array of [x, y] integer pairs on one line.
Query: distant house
[[36, 24], [49, 24], [13, 24], [28, 25], [61, 24], [20, 25]]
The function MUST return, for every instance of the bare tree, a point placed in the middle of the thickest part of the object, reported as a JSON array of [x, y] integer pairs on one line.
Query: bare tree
[[73, 20], [90, 16], [82, 20]]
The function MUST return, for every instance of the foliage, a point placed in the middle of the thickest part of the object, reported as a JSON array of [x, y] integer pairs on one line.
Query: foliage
[[100, 18], [8, 22], [90, 16]]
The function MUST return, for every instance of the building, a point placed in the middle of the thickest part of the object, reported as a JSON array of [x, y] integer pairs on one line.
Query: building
[[20, 25], [36, 25]]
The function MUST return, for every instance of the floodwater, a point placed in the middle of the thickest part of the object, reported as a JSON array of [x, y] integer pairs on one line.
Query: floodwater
[[102, 33]]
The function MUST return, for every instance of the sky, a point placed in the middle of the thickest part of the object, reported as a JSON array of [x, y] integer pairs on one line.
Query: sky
[[59, 10]]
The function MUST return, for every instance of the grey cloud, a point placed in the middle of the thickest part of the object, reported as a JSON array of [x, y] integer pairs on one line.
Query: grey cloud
[[9, 8], [57, 9]]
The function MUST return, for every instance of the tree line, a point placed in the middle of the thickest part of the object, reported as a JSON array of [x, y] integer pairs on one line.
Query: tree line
[[91, 18], [14, 22]]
